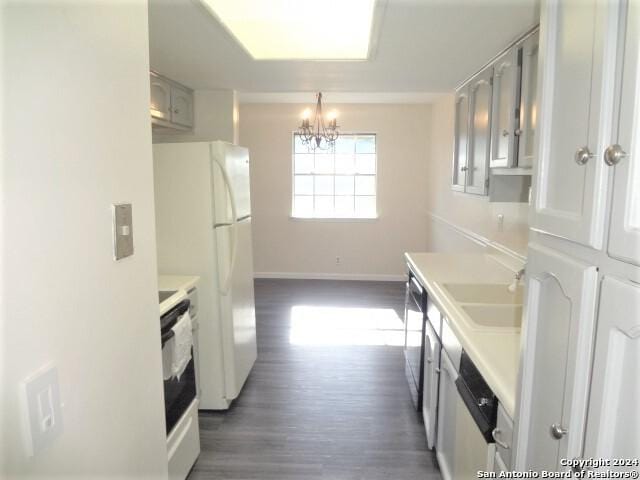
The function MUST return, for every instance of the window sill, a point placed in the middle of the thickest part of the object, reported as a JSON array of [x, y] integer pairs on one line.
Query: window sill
[[335, 219]]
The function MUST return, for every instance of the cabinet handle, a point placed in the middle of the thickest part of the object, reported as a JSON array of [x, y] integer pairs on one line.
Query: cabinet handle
[[518, 132], [582, 155], [464, 169], [557, 431], [495, 434], [613, 154], [176, 110], [505, 133]]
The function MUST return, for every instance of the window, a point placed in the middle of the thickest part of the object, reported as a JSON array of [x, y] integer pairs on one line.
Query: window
[[335, 183]]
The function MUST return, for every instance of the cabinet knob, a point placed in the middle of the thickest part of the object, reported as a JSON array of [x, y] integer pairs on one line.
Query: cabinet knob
[[613, 154], [505, 133], [557, 431], [518, 132], [176, 110], [582, 155], [464, 169]]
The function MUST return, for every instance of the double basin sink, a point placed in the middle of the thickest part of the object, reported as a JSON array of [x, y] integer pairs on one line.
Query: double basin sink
[[493, 306]]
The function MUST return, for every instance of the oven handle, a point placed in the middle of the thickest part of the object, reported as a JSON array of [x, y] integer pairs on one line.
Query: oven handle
[[166, 337]]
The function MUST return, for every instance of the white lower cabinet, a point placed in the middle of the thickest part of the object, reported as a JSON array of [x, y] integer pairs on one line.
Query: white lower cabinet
[[613, 426], [430, 385], [447, 413], [556, 359]]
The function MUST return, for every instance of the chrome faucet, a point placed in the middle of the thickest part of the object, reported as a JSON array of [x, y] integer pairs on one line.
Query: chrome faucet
[[520, 274]]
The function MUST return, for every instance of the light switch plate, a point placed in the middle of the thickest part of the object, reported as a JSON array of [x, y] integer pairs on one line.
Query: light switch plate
[[122, 231], [42, 409]]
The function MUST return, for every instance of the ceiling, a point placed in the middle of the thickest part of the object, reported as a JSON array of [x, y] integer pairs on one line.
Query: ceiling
[[421, 47]]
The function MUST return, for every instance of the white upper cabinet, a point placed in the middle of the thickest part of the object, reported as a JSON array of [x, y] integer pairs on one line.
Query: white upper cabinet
[[556, 359], [181, 106], [461, 139], [613, 428], [528, 101], [570, 182], [171, 103], [477, 172], [160, 98], [506, 86], [622, 155]]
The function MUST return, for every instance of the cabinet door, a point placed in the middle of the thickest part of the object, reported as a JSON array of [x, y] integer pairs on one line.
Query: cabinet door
[[570, 185], [555, 375], [613, 429], [461, 140], [430, 388], [181, 106], [506, 86], [624, 233], [479, 133], [160, 98], [447, 418], [528, 101]]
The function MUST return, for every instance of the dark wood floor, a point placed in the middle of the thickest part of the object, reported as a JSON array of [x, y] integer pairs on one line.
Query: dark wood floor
[[316, 406]]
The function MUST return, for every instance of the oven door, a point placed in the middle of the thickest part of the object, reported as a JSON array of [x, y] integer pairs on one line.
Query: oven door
[[178, 393], [413, 340]]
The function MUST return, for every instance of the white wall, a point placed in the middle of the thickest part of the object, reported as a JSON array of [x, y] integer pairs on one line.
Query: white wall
[[77, 139], [469, 212], [369, 249], [215, 118]]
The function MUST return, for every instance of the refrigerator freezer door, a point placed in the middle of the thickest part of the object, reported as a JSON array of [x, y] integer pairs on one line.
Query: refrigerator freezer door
[[232, 165], [237, 308]]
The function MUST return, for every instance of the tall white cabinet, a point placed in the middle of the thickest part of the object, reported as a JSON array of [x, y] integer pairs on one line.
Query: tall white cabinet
[[580, 375]]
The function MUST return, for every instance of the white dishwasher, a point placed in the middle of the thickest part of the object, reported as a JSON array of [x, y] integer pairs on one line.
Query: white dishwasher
[[467, 411]]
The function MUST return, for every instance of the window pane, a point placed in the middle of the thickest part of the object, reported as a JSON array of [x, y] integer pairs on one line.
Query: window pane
[[324, 185], [344, 185], [345, 144], [366, 185], [345, 164], [324, 163], [302, 206], [366, 144], [304, 163], [344, 206], [323, 206], [298, 146], [303, 185], [366, 164], [366, 206]]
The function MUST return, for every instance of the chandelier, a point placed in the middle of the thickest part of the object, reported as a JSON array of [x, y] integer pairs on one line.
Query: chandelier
[[319, 134]]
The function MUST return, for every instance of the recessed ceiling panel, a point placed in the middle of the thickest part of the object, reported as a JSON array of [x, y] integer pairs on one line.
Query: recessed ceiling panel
[[298, 29]]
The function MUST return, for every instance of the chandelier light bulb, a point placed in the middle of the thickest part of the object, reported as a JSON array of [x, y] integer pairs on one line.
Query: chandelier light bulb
[[306, 114]]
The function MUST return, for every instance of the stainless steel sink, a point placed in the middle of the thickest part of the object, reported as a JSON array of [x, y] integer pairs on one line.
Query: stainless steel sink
[[494, 293], [495, 316]]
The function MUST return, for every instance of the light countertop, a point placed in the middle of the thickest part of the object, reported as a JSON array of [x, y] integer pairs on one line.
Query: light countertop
[[180, 283], [495, 354]]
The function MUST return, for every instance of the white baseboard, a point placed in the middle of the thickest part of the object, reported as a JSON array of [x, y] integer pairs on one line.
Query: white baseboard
[[331, 276]]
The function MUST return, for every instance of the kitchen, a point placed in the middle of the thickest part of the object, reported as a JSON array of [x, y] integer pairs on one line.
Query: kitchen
[[445, 286]]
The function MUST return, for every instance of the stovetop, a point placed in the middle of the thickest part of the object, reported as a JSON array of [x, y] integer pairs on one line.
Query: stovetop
[[164, 294]]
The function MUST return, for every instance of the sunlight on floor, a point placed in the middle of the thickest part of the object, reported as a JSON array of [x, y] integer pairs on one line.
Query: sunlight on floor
[[311, 325]]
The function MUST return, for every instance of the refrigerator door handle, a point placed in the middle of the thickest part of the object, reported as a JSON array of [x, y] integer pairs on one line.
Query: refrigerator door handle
[[225, 286]]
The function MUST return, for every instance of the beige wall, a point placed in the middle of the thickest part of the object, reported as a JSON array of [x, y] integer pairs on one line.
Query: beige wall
[[77, 139], [470, 212], [371, 249]]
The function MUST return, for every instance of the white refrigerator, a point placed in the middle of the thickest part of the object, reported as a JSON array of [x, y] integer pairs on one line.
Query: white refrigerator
[[203, 227]]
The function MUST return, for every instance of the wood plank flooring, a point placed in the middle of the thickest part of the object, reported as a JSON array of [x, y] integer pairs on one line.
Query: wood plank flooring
[[327, 399]]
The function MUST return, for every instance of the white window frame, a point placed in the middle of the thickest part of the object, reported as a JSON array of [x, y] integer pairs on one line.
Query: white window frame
[[373, 217]]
